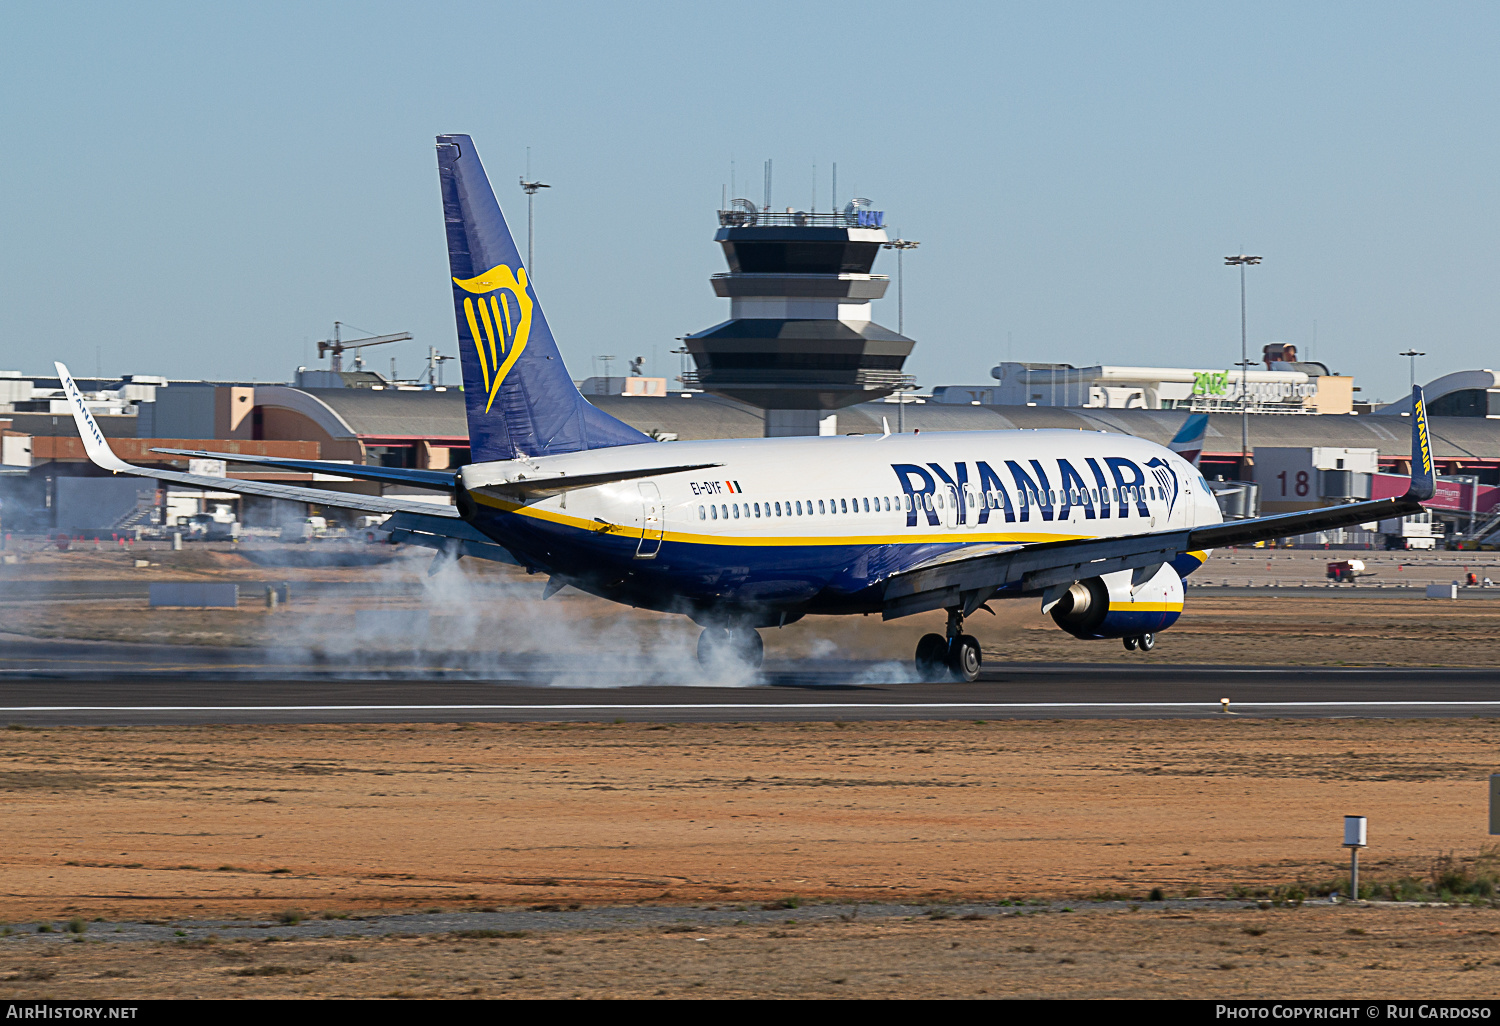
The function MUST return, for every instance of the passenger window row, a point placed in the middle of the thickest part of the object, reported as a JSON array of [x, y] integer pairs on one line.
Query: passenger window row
[[1081, 496], [903, 503], [800, 507]]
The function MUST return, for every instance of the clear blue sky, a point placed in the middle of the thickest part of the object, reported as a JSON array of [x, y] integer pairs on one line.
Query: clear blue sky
[[202, 189]]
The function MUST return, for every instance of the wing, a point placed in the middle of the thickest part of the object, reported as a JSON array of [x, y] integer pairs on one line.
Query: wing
[[967, 578], [103, 456], [437, 480]]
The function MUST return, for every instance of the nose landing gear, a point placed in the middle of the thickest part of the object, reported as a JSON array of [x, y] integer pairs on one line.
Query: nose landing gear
[[1144, 642], [956, 657]]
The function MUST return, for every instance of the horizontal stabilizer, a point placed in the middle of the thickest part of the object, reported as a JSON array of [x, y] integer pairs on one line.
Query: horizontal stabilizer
[[452, 537], [528, 484]]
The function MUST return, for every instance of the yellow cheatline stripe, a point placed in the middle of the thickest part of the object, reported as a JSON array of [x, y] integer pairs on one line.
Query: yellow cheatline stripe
[[593, 527], [1201, 555], [1145, 607], [478, 339]]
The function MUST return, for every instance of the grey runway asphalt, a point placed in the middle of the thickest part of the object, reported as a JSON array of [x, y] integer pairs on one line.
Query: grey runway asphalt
[[44, 682]]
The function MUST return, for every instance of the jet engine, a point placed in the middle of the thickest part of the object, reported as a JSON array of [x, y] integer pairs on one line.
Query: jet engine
[[1125, 604]]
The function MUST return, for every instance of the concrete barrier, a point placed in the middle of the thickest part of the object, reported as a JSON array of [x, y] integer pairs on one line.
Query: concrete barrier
[[194, 593]]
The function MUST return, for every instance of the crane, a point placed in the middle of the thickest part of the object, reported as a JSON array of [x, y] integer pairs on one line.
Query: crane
[[337, 346]]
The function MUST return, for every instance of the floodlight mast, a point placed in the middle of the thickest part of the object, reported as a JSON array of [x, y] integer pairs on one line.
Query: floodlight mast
[[530, 189], [900, 246], [1241, 261], [1413, 354]]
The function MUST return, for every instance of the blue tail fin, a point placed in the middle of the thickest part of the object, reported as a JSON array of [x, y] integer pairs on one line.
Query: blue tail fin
[[519, 397]]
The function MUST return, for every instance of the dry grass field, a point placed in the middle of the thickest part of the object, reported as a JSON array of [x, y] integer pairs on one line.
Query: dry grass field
[[250, 820], [116, 824], [253, 821]]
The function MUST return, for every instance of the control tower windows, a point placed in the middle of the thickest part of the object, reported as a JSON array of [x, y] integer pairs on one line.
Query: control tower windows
[[720, 361], [801, 257]]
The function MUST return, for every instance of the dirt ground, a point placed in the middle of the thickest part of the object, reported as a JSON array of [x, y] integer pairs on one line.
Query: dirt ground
[[140, 823], [494, 608], [1359, 953], [211, 822], [251, 820]]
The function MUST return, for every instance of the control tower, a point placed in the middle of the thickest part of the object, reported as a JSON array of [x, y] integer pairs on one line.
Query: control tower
[[799, 342]]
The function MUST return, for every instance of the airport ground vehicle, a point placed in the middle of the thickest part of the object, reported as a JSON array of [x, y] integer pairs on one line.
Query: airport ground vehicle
[[1346, 571], [753, 533]]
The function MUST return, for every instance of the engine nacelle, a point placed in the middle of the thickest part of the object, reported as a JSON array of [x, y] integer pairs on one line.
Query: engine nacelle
[[1112, 607]]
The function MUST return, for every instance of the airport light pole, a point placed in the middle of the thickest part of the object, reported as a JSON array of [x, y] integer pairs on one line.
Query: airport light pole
[[900, 246], [530, 189], [1242, 261], [1413, 354]]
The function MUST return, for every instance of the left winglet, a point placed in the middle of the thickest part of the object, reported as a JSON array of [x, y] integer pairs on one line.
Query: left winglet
[[1423, 478], [94, 445]]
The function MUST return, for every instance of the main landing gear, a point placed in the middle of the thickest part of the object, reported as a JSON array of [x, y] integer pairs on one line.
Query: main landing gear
[[1144, 642], [718, 646], [956, 657]]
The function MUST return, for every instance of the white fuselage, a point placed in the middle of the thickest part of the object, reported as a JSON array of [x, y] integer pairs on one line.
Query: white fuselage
[[823, 487]]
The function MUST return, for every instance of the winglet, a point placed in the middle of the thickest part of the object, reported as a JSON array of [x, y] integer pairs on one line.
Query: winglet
[[88, 428], [1423, 480], [885, 425]]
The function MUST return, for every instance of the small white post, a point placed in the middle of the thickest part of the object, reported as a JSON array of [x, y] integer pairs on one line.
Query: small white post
[[1354, 839]]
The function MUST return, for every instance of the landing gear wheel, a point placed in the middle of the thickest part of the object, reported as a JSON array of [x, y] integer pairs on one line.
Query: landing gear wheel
[[748, 646], [1130, 644], [932, 658], [713, 645], [1147, 642], [718, 647], [964, 658]]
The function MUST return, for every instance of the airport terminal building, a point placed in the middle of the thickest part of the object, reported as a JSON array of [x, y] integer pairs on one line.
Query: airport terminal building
[[425, 428]]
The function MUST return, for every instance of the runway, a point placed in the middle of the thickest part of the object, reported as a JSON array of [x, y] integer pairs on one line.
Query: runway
[[95, 684]]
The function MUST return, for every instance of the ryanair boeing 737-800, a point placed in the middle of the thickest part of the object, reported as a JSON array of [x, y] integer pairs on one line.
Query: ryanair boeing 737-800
[[751, 533]]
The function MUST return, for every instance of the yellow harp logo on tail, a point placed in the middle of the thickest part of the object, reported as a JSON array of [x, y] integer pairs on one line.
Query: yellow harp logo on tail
[[499, 316]]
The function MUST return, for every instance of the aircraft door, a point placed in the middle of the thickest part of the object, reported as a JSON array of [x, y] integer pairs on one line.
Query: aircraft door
[[949, 512], [971, 500], [652, 527]]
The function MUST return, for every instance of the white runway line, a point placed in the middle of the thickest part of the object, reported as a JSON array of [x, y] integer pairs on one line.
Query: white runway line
[[739, 706]]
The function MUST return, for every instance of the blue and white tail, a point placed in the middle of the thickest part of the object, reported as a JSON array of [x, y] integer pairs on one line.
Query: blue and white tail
[[1188, 442], [519, 396]]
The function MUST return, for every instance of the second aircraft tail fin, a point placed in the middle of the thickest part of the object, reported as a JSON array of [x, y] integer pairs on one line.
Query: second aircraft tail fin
[[1188, 442]]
